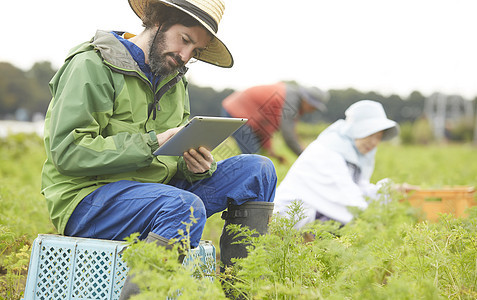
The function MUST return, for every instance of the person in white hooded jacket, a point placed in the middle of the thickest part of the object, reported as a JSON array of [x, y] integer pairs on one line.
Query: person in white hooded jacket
[[334, 171]]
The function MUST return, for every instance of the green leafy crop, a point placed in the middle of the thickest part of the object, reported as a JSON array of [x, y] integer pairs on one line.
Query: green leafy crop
[[384, 253]]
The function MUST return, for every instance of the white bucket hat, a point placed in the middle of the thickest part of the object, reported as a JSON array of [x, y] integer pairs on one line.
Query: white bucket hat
[[367, 117], [206, 12]]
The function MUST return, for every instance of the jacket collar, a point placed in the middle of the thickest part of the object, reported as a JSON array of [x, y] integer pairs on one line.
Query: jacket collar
[[114, 52]]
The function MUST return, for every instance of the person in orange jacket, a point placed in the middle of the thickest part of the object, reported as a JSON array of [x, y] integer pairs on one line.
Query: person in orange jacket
[[272, 108]]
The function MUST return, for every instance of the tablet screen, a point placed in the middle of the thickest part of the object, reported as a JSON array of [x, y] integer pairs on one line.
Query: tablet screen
[[208, 132]]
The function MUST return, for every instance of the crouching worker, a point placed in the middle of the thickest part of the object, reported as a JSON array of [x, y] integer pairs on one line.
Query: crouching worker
[[115, 100], [334, 171]]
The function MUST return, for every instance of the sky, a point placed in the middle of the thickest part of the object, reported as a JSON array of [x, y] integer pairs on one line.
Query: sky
[[387, 46]]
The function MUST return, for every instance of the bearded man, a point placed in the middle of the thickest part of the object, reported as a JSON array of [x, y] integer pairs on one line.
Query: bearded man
[[115, 100]]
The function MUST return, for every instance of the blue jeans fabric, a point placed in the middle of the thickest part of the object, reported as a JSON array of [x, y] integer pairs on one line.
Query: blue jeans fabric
[[246, 138], [119, 209]]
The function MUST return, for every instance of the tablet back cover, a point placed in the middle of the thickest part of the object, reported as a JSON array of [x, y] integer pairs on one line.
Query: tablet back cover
[[200, 131]]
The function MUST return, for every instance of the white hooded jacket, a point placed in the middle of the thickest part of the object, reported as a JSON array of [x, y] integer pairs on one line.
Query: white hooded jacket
[[331, 174]]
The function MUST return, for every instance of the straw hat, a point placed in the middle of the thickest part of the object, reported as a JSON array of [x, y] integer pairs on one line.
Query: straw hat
[[206, 12], [367, 117]]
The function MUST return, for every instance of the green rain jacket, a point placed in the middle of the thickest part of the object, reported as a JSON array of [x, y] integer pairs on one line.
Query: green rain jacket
[[97, 128]]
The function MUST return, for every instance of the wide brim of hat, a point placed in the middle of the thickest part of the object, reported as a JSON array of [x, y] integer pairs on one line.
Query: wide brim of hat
[[216, 52], [368, 127]]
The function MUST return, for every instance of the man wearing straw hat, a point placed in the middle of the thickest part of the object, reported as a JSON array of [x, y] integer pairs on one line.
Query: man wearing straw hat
[[115, 100]]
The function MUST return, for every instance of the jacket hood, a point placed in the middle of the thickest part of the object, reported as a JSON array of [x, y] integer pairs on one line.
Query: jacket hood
[[113, 51]]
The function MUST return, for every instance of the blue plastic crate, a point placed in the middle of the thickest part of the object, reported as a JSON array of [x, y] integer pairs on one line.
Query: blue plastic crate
[[78, 268]]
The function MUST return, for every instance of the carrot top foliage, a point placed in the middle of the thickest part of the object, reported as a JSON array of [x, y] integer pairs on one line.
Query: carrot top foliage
[[384, 253]]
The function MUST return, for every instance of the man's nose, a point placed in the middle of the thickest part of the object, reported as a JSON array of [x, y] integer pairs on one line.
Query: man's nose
[[186, 54]]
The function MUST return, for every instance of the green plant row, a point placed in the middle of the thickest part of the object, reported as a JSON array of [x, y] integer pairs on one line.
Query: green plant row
[[392, 249], [383, 254]]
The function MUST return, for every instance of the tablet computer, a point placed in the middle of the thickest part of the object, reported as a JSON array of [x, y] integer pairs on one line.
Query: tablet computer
[[208, 132]]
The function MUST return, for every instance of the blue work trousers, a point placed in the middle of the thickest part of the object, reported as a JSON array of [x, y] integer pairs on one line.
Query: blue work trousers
[[118, 209]]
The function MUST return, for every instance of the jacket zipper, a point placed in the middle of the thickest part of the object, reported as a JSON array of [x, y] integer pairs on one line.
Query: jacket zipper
[[155, 106]]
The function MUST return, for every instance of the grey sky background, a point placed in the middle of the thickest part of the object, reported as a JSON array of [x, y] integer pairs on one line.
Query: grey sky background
[[380, 45]]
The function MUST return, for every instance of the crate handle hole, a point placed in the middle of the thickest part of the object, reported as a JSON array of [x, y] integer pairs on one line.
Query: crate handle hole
[[433, 199]]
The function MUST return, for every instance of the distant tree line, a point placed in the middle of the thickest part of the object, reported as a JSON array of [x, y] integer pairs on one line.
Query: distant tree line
[[24, 93], [28, 92]]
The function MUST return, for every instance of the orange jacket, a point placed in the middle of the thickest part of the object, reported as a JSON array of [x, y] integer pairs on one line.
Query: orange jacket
[[262, 105]]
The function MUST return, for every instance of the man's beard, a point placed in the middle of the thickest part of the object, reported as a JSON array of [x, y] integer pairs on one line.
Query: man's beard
[[158, 58]]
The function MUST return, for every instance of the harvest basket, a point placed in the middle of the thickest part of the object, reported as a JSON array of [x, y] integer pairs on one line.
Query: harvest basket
[[448, 200], [78, 268]]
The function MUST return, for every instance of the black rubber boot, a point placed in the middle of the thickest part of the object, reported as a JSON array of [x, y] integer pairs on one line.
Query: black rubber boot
[[130, 288], [254, 215]]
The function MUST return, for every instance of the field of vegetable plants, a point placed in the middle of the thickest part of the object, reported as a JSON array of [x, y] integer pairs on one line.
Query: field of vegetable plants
[[385, 253]]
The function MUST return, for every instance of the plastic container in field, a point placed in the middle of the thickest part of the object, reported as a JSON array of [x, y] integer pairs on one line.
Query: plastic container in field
[[78, 268], [449, 200]]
